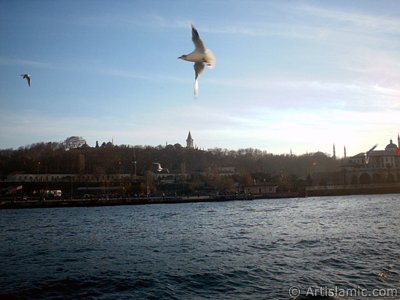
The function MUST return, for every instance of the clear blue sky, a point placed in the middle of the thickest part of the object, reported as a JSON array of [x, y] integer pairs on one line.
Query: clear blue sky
[[300, 75]]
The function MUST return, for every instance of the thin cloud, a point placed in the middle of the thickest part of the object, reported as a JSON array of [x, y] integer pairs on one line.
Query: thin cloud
[[155, 21], [92, 68], [345, 25], [263, 29], [133, 21], [34, 127], [115, 72], [23, 62], [383, 24]]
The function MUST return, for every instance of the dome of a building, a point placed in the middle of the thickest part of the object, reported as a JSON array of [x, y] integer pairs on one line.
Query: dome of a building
[[391, 146]]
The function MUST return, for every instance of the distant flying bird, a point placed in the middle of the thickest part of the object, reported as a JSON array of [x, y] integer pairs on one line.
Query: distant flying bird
[[200, 56], [159, 168], [27, 77]]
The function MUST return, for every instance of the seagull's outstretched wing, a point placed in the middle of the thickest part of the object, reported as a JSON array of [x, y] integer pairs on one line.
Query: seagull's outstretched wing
[[197, 41], [370, 150], [27, 77], [198, 69]]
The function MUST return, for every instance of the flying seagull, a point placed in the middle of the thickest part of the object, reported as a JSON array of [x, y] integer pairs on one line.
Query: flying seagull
[[200, 56], [27, 77], [368, 152], [159, 168]]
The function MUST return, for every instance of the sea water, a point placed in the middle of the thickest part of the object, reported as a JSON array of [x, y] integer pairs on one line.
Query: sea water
[[343, 247]]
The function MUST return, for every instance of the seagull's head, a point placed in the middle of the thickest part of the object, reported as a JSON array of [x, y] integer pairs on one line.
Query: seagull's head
[[182, 57]]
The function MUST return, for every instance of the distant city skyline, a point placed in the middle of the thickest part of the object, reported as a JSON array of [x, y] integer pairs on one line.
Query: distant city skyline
[[189, 143], [291, 76]]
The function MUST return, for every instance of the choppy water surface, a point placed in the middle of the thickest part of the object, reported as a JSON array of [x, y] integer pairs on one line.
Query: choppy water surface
[[224, 250]]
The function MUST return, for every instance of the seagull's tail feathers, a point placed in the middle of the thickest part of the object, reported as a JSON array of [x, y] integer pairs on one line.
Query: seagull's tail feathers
[[196, 87], [210, 59]]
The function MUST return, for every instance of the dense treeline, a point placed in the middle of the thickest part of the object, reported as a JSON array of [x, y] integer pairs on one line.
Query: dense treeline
[[57, 158]]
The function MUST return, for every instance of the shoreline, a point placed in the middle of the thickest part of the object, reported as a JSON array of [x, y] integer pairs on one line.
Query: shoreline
[[51, 203], [316, 191], [352, 189]]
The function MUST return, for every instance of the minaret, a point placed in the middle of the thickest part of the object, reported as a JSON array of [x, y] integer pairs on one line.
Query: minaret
[[398, 140], [189, 141], [334, 152], [345, 155]]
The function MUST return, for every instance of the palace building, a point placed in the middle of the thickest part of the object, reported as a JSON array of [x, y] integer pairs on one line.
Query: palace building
[[376, 166]]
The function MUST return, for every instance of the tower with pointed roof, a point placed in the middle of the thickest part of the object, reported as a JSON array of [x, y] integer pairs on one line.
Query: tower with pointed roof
[[189, 141]]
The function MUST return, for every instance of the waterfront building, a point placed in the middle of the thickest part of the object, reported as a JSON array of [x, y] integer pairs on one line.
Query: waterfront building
[[57, 178], [377, 166], [261, 189]]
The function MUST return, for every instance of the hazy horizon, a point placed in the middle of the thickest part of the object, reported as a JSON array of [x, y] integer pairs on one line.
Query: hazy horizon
[[339, 153]]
